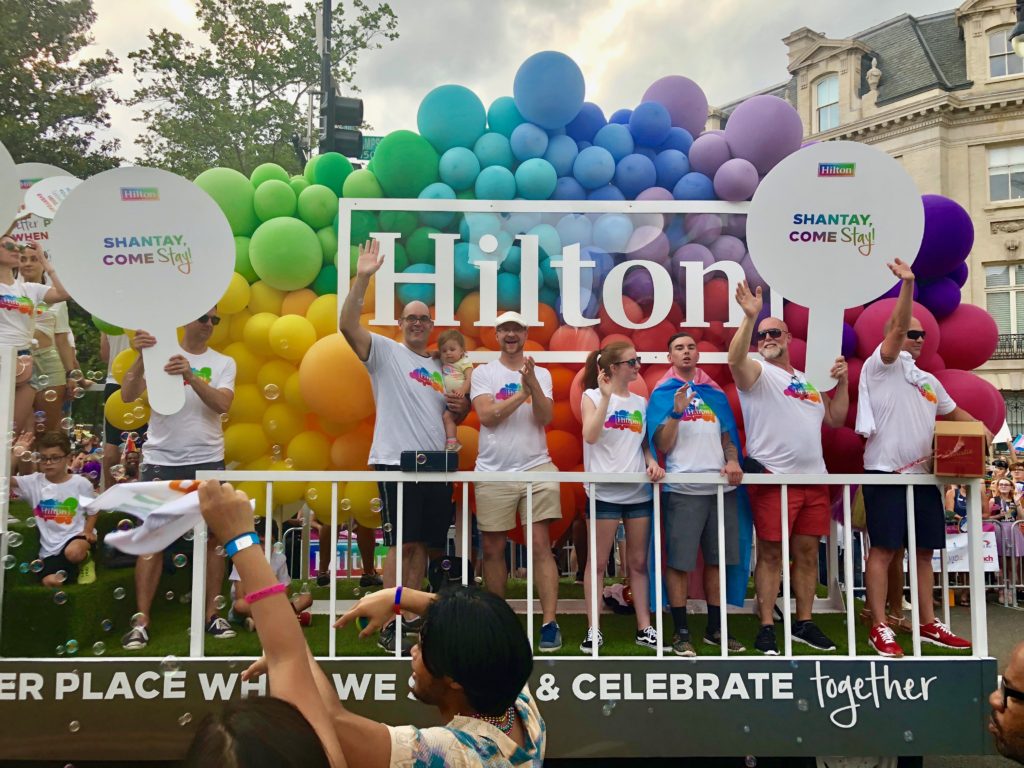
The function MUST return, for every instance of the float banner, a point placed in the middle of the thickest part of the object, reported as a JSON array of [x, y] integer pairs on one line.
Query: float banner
[[107, 709]]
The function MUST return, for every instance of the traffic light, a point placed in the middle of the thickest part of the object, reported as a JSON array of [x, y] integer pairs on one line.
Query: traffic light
[[340, 120]]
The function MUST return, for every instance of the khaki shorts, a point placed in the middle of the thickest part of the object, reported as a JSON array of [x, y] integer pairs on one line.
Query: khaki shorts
[[47, 369], [498, 503]]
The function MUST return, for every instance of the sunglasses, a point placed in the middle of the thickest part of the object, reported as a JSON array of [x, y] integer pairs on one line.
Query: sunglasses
[[11, 246], [633, 362], [211, 319], [915, 335], [775, 333], [1009, 693], [421, 319]]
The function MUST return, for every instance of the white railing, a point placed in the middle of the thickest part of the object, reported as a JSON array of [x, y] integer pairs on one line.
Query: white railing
[[979, 635]]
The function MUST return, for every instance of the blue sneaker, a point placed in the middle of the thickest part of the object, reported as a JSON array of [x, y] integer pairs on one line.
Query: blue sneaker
[[550, 637]]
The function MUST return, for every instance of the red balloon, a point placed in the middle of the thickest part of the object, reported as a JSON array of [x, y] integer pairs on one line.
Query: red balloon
[[851, 416], [733, 397], [568, 338], [717, 371], [697, 334], [718, 334], [656, 338], [870, 327], [796, 319], [843, 449], [614, 338], [632, 310], [566, 449], [850, 316], [653, 375], [798, 359], [968, 337], [976, 396], [717, 299], [854, 366]]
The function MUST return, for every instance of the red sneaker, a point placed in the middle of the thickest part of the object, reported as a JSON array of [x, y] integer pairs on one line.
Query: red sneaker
[[305, 618], [939, 634], [883, 640]]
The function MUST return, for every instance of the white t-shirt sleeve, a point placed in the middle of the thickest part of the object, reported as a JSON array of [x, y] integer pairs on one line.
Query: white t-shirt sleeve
[[36, 291], [946, 403], [226, 375], [481, 382], [60, 312], [544, 377], [380, 350], [27, 488]]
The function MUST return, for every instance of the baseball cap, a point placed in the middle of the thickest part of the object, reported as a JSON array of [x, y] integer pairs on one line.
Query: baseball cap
[[511, 317]]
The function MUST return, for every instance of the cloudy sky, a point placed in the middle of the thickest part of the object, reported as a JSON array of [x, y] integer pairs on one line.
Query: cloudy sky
[[730, 47]]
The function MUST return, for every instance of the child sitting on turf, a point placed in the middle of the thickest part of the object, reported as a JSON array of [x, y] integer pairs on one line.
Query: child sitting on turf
[[56, 496], [458, 376], [240, 609]]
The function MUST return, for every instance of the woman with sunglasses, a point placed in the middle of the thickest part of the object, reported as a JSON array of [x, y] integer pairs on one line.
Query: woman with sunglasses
[[19, 307], [614, 431]]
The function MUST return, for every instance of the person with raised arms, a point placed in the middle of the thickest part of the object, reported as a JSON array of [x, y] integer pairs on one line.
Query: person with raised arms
[[783, 413], [411, 400]]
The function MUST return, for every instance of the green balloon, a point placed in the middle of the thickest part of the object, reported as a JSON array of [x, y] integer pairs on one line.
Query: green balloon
[[318, 206], [401, 258], [298, 183], [405, 164], [242, 264], [234, 194], [326, 281], [363, 223], [466, 194], [353, 260], [274, 198], [460, 294], [286, 254], [107, 328], [420, 247], [403, 222], [266, 172], [362, 183], [329, 243], [310, 169], [331, 170]]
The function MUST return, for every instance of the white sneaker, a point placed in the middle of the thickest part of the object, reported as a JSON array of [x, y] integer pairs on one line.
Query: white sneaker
[[587, 646]]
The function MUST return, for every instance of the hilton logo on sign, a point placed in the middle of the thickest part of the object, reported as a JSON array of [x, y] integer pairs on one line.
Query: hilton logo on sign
[[139, 194], [837, 169]]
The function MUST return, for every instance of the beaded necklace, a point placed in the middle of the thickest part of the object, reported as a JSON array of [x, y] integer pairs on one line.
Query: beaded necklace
[[502, 722]]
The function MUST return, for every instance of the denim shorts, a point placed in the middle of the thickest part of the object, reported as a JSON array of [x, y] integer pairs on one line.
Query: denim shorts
[[610, 510]]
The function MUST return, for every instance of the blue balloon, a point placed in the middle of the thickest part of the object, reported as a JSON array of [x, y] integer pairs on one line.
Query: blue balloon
[[548, 240], [594, 167], [523, 221], [548, 275], [607, 192], [467, 276], [424, 292], [620, 116], [450, 116], [459, 168], [509, 295], [503, 116], [568, 188], [603, 263], [536, 179], [494, 149], [671, 165], [581, 145], [647, 152], [633, 174], [678, 138], [694, 186], [437, 191], [513, 260], [650, 123], [475, 225], [528, 141], [552, 132], [612, 231], [561, 153], [574, 228], [548, 296], [588, 121], [548, 89], [616, 139]]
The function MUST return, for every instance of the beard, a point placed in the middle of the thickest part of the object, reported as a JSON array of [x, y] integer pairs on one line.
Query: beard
[[772, 354]]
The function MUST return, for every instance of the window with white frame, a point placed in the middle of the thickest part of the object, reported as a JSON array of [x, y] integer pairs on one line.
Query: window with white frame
[[1006, 173], [1002, 61], [826, 100], [1004, 296]]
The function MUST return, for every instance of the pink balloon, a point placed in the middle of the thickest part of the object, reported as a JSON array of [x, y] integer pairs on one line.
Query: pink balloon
[[702, 228], [931, 363], [567, 338], [796, 318], [976, 396], [870, 328], [854, 366], [843, 449], [736, 225], [655, 193], [683, 98], [728, 248], [798, 358], [736, 180], [850, 316], [709, 152], [969, 336]]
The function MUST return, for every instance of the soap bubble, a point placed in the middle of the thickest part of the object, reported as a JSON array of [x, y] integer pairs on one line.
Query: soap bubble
[[278, 548], [125, 525], [185, 719], [386, 527], [219, 551], [746, 729], [75, 375], [40, 415], [99, 648], [801, 704], [9, 562], [356, 591], [169, 595], [78, 393], [421, 458], [908, 736], [606, 710], [189, 535], [29, 522], [60, 597], [169, 664], [180, 560], [311, 494], [119, 593], [305, 589], [49, 395], [750, 761], [138, 620], [446, 565], [71, 646], [271, 391], [185, 599], [23, 568], [60, 650], [106, 625], [74, 726], [376, 505], [67, 423], [139, 412], [61, 576], [219, 602], [345, 504], [14, 539]]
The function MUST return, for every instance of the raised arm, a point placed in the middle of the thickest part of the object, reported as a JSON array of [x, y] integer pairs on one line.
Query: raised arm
[[838, 404], [899, 321], [134, 383], [356, 335], [745, 370], [666, 432]]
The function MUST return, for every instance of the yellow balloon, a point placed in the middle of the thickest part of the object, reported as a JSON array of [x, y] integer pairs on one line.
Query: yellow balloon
[[256, 492], [364, 498], [244, 442], [124, 360], [309, 451], [297, 302], [275, 373], [263, 298], [281, 424], [248, 404], [286, 492], [318, 499], [236, 297], [323, 314], [293, 393], [221, 335], [125, 415], [291, 336], [247, 362], [236, 325], [257, 333]]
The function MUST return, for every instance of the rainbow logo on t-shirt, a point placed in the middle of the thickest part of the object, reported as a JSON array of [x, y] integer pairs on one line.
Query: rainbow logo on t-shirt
[[928, 393], [633, 421], [20, 304], [202, 373], [802, 390], [508, 390], [698, 410], [53, 511], [427, 378]]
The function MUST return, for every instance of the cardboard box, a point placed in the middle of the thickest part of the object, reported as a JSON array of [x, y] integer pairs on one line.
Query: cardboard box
[[960, 449]]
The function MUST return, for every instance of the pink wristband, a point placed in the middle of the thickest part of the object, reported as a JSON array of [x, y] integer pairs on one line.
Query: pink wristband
[[259, 594]]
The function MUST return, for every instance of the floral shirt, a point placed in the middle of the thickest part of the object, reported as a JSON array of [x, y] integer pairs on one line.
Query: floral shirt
[[470, 743]]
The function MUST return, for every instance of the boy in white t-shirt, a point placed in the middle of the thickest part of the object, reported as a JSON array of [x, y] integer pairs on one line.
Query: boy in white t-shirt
[[66, 533]]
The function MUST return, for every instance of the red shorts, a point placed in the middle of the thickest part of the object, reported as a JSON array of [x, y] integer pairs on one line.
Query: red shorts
[[810, 510]]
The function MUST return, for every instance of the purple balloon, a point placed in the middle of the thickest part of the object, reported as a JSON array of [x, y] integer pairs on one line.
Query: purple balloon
[[567, 188], [894, 292], [754, 278], [948, 237], [736, 225], [638, 284], [959, 275], [620, 116], [764, 129], [849, 348], [655, 193], [708, 153], [728, 248], [648, 243], [685, 101], [650, 123], [736, 180], [693, 252], [702, 227], [671, 165], [941, 296], [678, 138], [588, 121]]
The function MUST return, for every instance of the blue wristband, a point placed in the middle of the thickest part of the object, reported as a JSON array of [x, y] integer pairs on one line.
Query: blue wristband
[[241, 542], [675, 415]]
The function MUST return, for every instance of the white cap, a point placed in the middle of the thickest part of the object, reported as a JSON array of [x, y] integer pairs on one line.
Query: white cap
[[511, 317]]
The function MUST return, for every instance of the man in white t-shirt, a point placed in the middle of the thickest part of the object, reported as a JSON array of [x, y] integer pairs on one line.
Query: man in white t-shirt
[[179, 445], [782, 416], [411, 400], [110, 348], [513, 398], [898, 404], [693, 439]]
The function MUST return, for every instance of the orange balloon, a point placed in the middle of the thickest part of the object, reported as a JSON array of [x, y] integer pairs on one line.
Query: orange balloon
[[561, 381], [334, 381], [533, 346], [563, 418], [351, 451], [630, 308], [470, 439], [468, 313], [542, 333], [615, 338], [471, 420], [297, 302], [568, 338], [566, 449]]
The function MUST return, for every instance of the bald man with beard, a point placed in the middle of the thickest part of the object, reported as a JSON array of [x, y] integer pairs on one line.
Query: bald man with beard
[[411, 400], [1006, 723]]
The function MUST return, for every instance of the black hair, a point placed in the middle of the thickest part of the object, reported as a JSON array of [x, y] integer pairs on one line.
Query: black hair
[[674, 336], [474, 638], [257, 732]]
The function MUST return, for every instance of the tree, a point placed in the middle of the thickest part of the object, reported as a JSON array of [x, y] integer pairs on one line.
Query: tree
[[237, 101], [53, 102]]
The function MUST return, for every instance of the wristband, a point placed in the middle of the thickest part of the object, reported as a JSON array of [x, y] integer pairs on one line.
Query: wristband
[[241, 542], [259, 594], [398, 601], [675, 415]]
